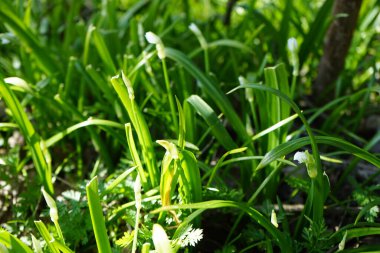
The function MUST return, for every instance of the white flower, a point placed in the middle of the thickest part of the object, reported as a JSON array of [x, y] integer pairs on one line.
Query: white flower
[[191, 236], [308, 160], [293, 48], [154, 39], [300, 157], [292, 45]]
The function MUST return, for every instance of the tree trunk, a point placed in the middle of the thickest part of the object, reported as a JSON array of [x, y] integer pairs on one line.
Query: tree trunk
[[336, 46]]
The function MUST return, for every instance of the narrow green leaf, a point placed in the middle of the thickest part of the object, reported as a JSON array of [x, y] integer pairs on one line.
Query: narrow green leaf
[[212, 121], [97, 218], [211, 90], [117, 181], [18, 27], [279, 238], [49, 239], [34, 142], [12, 243], [294, 145]]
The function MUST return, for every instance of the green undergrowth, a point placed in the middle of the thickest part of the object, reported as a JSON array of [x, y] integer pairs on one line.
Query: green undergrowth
[[140, 126]]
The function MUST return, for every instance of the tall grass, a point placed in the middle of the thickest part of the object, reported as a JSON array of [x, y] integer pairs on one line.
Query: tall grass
[[110, 94]]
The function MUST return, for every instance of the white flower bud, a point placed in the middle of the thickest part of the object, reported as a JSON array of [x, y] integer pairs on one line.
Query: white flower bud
[[137, 189], [273, 218], [194, 28], [154, 39], [292, 45], [300, 157], [51, 203], [308, 160]]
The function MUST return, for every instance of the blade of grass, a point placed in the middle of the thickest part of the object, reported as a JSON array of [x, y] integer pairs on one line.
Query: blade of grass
[[211, 90], [33, 140], [280, 238], [16, 25], [102, 50], [135, 155], [117, 181], [90, 122], [124, 89], [49, 239], [294, 145], [208, 114], [315, 200], [12, 243], [97, 217]]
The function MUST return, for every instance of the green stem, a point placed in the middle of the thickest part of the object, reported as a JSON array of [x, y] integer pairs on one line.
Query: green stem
[[134, 246], [170, 95], [59, 231]]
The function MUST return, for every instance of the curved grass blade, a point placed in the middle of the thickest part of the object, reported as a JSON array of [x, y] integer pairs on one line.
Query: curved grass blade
[[208, 114], [274, 127], [365, 209], [90, 122], [135, 155], [211, 90], [12, 243], [35, 143], [361, 230], [280, 238], [16, 25], [97, 217], [224, 43], [117, 181], [49, 239], [294, 145], [123, 87], [220, 162]]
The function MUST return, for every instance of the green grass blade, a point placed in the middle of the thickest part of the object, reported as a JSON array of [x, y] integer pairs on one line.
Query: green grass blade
[[135, 155], [90, 122], [220, 162], [49, 239], [274, 127], [12, 243], [97, 218], [369, 229], [211, 90], [224, 43], [16, 25], [102, 50], [124, 89], [294, 145], [33, 140], [208, 114], [117, 181], [279, 238], [61, 247]]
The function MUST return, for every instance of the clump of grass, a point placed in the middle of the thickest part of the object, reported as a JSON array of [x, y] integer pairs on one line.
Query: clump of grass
[[150, 117]]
